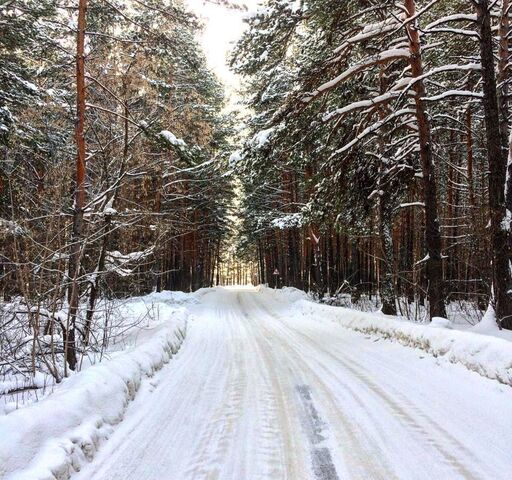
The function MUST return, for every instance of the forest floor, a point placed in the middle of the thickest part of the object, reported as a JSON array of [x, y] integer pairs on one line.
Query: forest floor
[[260, 391]]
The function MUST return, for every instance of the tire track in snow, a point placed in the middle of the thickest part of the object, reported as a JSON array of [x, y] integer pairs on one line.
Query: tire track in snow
[[285, 422], [357, 451], [245, 426], [323, 466], [214, 440], [399, 405]]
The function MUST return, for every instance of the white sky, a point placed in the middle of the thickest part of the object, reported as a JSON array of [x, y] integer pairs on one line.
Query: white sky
[[223, 27]]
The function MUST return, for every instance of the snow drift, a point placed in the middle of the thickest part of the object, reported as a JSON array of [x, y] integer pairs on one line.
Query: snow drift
[[54, 437], [489, 356]]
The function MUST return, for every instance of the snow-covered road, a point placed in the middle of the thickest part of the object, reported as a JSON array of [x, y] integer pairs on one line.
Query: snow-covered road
[[261, 392]]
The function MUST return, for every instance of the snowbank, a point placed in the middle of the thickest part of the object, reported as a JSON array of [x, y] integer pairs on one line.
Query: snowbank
[[53, 438], [291, 294], [489, 356], [174, 297]]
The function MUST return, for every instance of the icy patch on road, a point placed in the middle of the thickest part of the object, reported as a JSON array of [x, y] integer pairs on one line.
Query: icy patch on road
[[55, 437], [316, 429]]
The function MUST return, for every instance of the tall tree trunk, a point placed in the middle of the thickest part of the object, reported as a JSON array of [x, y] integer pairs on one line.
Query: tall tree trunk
[[387, 286], [503, 54], [470, 162], [78, 214], [497, 159], [504, 108], [95, 284], [435, 288]]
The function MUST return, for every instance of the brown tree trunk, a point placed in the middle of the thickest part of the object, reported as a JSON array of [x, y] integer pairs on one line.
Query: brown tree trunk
[[504, 106], [78, 214], [497, 159], [95, 284], [503, 54], [387, 284], [470, 162], [435, 288]]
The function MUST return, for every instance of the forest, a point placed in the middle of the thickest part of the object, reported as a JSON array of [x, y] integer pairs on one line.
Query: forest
[[255, 239], [367, 163], [377, 162], [114, 156]]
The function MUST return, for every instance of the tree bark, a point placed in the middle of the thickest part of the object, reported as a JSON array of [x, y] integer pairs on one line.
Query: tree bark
[[497, 159], [503, 53], [78, 213], [435, 287], [387, 284], [470, 162]]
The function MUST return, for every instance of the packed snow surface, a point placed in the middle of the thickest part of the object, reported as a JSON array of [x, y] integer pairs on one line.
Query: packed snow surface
[[266, 390], [270, 386], [489, 356]]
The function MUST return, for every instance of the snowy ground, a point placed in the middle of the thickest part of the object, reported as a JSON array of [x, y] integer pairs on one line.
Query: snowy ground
[[119, 324], [53, 434], [270, 386], [464, 315]]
